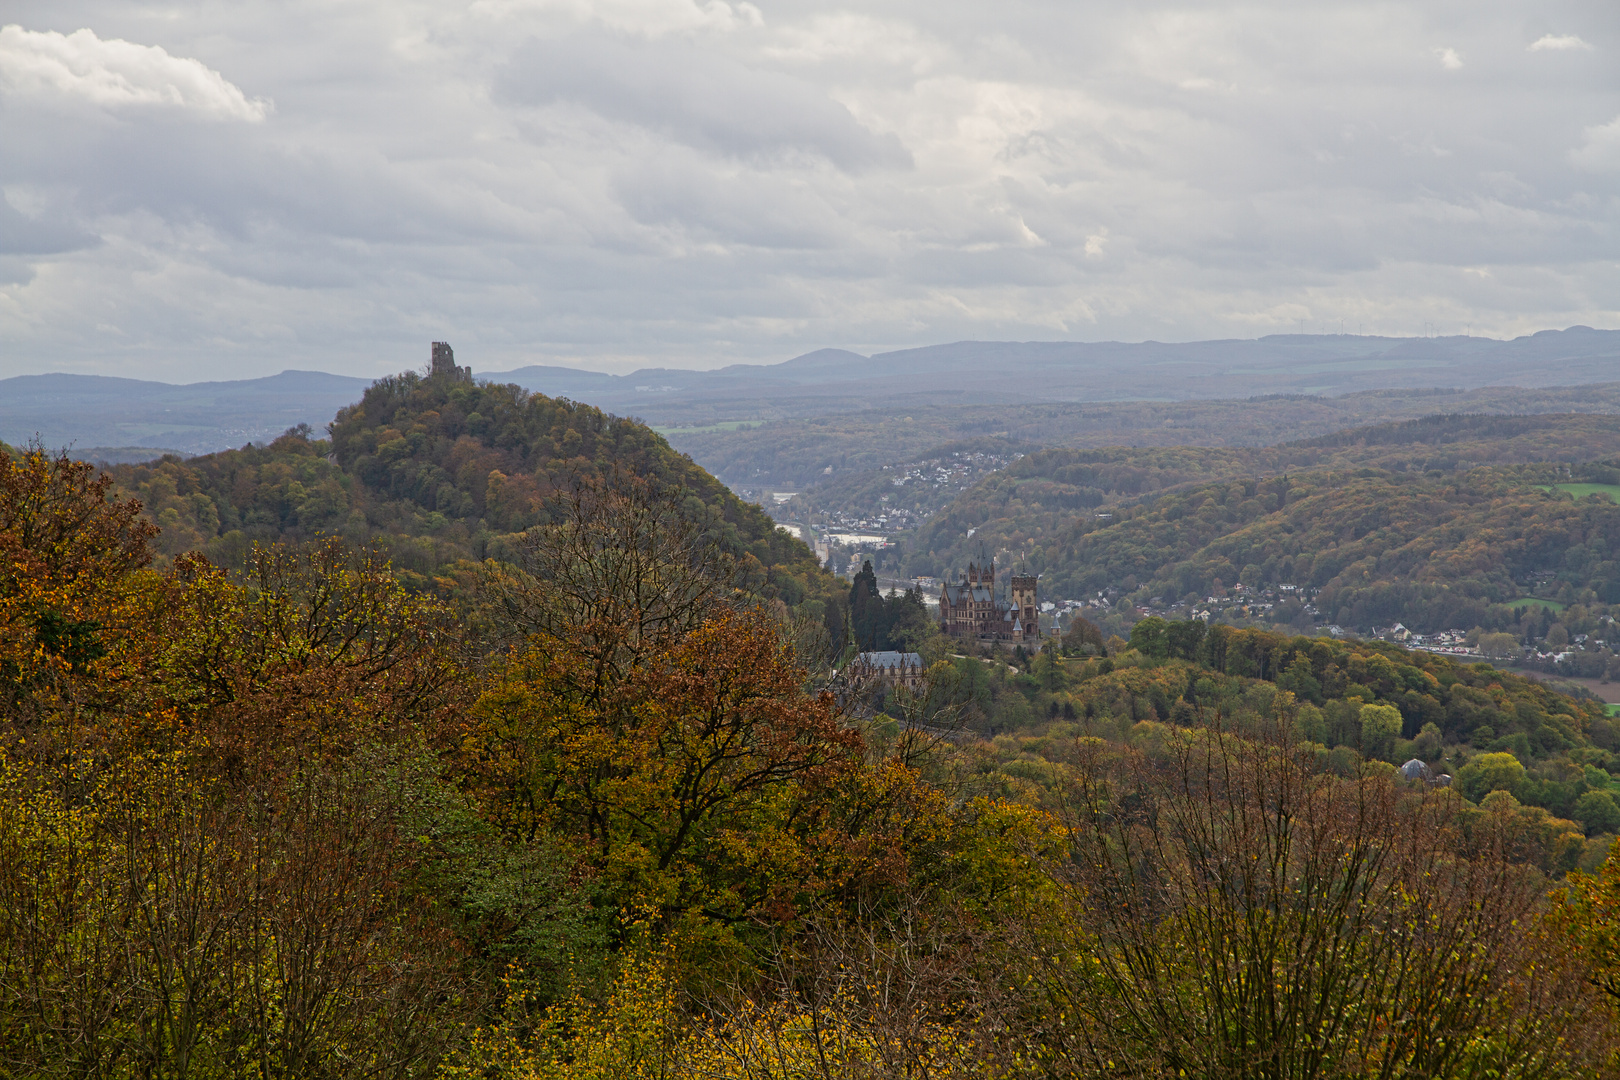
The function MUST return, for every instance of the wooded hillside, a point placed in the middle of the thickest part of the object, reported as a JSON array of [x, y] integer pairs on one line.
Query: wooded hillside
[[1425, 522]]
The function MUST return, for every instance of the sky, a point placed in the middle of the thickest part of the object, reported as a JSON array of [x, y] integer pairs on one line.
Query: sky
[[207, 190]]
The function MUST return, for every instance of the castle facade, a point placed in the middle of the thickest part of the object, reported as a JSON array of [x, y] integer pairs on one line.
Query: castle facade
[[969, 608]]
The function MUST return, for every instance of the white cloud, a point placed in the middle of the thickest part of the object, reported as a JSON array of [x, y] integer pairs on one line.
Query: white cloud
[[861, 38], [647, 18], [1449, 59], [116, 73], [22, 234], [1557, 41]]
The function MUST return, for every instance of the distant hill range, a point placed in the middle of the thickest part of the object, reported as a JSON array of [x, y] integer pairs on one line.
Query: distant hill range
[[100, 412], [112, 420], [832, 381]]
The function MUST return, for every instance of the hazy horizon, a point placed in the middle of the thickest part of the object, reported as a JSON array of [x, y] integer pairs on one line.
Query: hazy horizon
[[421, 364]]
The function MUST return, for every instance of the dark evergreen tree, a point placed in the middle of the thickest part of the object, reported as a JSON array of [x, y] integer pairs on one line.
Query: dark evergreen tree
[[866, 610], [898, 621]]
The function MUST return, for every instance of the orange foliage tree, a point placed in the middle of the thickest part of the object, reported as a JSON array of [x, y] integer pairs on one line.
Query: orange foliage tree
[[66, 555], [672, 776]]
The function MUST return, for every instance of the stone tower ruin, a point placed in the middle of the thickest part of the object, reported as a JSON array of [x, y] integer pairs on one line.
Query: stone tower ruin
[[444, 364]]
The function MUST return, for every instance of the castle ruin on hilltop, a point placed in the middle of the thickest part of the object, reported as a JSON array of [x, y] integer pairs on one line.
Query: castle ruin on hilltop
[[969, 608], [444, 364]]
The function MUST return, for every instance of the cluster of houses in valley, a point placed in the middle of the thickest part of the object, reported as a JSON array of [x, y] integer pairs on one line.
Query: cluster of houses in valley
[[915, 491], [1256, 602], [956, 471], [1239, 602], [1446, 642]]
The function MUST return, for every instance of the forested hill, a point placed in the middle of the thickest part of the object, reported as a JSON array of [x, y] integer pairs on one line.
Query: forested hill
[[1040, 491], [438, 471], [1429, 522], [1433, 552]]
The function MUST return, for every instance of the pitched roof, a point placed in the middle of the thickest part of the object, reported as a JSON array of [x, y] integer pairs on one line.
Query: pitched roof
[[888, 658]]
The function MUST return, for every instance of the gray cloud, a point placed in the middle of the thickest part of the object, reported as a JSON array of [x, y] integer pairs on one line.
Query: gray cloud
[[23, 235], [196, 190], [705, 100]]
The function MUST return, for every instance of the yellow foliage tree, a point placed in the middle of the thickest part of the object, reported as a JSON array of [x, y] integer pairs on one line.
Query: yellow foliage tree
[[641, 1032]]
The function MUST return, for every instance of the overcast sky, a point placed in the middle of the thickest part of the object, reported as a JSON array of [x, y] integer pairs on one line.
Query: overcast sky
[[224, 190]]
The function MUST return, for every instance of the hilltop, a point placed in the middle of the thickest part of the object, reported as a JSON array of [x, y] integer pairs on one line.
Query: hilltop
[[441, 472]]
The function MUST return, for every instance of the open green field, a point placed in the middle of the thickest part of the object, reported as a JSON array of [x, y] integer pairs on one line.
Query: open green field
[[1526, 601], [723, 425], [1581, 491]]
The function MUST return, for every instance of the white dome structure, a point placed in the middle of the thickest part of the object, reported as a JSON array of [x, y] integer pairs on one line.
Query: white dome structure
[[1416, 770]]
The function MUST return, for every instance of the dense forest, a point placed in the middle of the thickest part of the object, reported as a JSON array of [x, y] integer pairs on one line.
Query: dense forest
[[1041, 489], [605, 811]]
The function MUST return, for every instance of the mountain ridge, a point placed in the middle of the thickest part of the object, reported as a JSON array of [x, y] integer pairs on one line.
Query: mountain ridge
[[69, 409]]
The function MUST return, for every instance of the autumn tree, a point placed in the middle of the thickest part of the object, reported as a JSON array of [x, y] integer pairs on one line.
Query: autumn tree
[[1586, 913], [1234, 912], [210, 813], [669, 779], [621, 571], [155, 922]]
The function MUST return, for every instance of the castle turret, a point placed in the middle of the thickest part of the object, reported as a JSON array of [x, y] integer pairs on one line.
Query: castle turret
[[1025, 603]]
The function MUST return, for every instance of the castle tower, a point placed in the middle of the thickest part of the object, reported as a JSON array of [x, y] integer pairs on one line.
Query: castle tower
[[1024, 602]]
